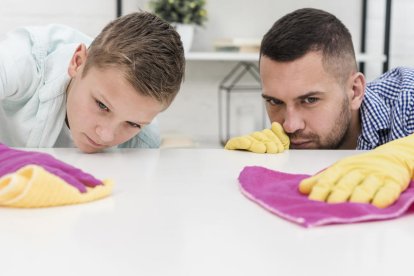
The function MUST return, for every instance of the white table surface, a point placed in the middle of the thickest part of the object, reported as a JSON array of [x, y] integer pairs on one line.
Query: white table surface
[[180, 212]]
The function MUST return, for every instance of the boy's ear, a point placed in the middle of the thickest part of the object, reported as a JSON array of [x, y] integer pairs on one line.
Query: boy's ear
[[358, 90], [78, 59]]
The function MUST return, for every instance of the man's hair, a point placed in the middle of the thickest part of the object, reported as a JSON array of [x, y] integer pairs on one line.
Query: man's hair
[[305, 30], [146, 49]]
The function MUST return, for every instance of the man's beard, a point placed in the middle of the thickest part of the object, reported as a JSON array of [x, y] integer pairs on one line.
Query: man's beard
[[341, 128], [336, 138]]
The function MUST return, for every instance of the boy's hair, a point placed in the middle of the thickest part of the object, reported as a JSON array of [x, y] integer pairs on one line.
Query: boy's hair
[[305, 30], [146, 49]]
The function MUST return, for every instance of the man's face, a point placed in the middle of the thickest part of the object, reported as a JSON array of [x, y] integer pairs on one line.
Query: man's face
[[311, 105], [103, 109]]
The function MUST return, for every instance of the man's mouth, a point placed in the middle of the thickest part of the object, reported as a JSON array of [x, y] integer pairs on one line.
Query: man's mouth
[[300, 144]]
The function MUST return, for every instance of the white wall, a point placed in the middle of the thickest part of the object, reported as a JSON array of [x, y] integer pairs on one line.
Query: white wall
[[194, 112], [87, 15]]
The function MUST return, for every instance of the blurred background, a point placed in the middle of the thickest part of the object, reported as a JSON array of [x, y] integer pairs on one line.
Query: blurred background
[[229, 25]]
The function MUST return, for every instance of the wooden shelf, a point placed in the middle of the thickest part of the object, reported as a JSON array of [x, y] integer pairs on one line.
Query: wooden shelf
[[252, 57], [222, 56]]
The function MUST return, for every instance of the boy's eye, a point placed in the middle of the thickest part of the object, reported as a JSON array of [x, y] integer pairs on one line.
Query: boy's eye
[[102, 106], [134, 125]]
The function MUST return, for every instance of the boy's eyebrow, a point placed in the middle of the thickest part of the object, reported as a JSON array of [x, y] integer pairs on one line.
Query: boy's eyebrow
[[140, 123], [108, 104]]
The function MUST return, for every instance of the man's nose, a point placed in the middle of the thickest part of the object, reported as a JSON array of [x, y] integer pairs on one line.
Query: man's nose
[[293, 121]]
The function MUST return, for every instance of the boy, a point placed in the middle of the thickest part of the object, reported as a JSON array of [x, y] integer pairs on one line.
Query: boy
[[57, 89]]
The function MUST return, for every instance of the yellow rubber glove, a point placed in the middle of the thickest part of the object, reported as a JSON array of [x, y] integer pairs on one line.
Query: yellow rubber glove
[[377, 177], [32, 186], [272, 140]]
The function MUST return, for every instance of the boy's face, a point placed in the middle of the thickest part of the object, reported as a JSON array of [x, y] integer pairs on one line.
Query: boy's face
[[315, 110], [103, 109]]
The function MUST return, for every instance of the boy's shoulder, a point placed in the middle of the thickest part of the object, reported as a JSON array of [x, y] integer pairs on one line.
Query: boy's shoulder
[[54, 34], [44, 36], [149, 137]]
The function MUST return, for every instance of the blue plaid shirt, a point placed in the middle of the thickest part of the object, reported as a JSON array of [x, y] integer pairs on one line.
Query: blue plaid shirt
[[387, 111]]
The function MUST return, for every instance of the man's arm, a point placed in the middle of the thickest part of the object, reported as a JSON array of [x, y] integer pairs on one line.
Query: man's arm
[[272, 140], [377, 177]]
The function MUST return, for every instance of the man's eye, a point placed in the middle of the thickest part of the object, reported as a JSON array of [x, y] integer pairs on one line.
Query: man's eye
[[273, 101], [102, 106], [134, 125], [310, 100]]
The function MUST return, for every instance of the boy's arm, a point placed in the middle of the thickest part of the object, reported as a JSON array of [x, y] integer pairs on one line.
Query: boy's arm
[[18, 68], [272, 140], [377, 177], [12, 160], [33, 187]]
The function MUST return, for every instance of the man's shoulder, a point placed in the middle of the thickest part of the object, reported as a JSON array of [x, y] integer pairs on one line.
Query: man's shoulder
[[398, 75], [388, 107], [392, 85]]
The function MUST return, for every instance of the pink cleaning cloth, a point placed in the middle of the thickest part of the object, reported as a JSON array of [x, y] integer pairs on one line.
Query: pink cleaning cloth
[[278, 193]]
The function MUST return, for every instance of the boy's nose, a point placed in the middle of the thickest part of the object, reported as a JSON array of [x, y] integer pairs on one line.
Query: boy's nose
[[105, 133]]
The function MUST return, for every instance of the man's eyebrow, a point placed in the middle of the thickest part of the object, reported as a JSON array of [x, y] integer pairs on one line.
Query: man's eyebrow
[[266, 97], [310, 94], [269, 98], [301, 97]]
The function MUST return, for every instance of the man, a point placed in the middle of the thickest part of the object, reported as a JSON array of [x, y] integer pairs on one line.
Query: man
[[312, 87], [316, 99]]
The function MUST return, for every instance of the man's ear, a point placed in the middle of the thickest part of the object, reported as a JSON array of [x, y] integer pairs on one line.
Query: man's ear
[[358, 90], [78, 59]]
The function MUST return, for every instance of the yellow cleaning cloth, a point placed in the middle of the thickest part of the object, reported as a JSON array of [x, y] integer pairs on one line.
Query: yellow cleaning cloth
[[32, 187]]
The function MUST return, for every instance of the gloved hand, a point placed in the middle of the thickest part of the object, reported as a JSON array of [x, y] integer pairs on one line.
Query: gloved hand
[[272, 140], [34, 187], [12, 160], [377, 177]]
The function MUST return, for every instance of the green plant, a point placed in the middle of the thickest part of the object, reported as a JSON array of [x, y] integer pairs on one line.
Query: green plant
[[181, 11]]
